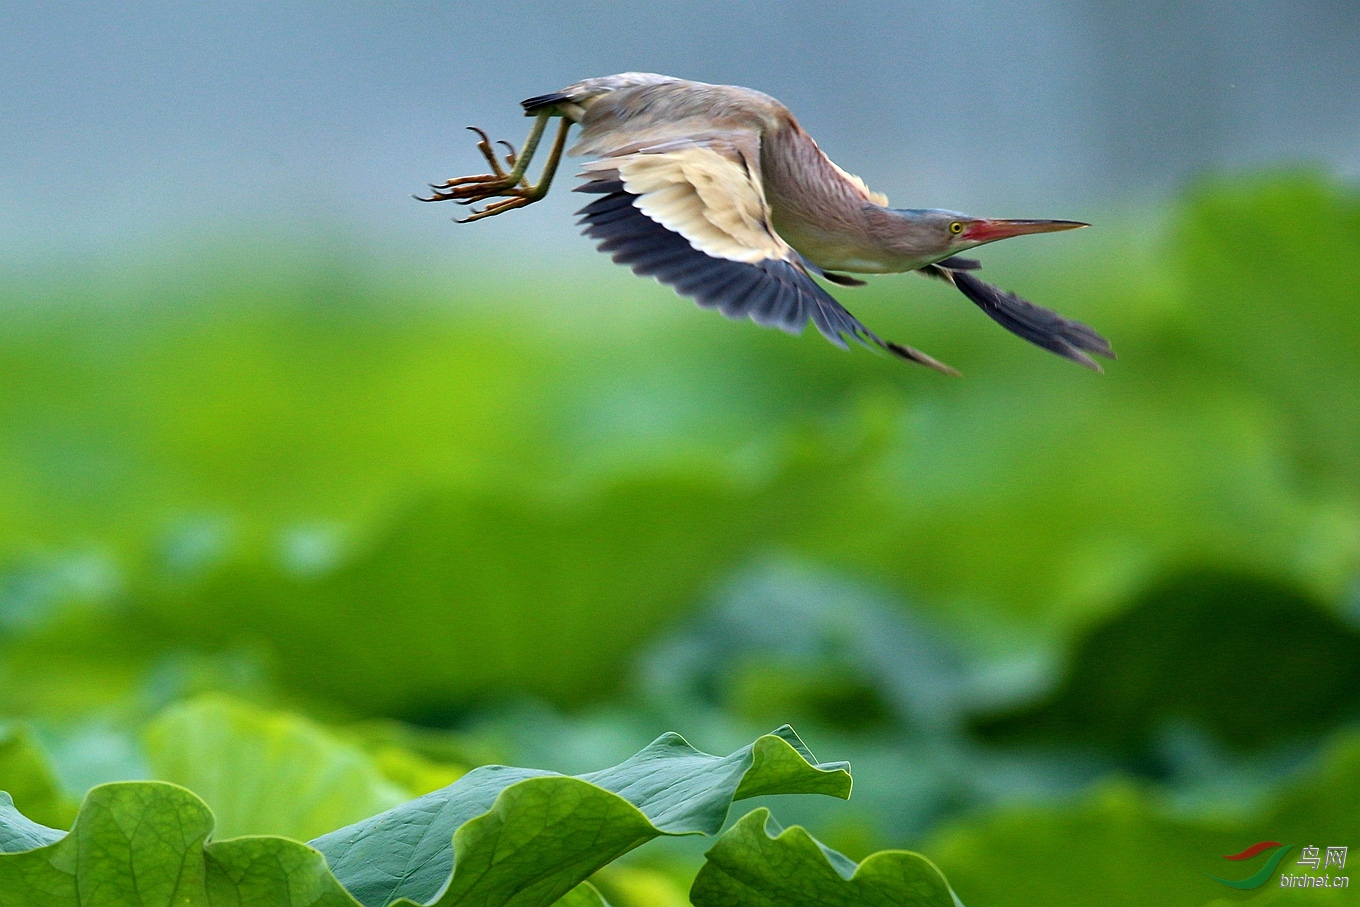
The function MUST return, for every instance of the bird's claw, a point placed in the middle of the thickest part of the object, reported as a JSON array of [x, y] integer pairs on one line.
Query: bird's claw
[[509, 199], [467, 190], [505, 204], [504, 189], [484, 146]]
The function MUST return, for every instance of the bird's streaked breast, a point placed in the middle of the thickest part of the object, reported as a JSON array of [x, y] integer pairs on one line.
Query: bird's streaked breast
[[818, 208]]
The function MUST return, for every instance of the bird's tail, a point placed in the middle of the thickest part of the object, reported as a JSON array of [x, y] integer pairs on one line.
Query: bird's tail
[[539, 102]]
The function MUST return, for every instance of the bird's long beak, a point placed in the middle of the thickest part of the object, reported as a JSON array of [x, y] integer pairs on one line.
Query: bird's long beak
[[983, 230]]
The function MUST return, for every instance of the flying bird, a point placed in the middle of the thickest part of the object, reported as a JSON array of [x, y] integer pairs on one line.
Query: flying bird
[[717, 192]]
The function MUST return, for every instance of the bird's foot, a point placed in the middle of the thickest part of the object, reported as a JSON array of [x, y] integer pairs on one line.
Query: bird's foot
[[500, 207], [471, 190], [468, 189], [510, 186]]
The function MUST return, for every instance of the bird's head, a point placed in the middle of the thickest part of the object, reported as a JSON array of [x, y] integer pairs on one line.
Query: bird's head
[[934, 234]]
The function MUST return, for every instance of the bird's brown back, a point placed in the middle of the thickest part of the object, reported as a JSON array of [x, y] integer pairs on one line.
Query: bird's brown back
[[816, 207]]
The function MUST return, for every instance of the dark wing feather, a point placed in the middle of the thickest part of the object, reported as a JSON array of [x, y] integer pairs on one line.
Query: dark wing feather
[[1040, 326], [773, 293], [844, 280], [955, 263]]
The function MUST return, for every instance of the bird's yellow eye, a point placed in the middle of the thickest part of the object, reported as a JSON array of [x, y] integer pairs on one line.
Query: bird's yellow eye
[[956, 228]]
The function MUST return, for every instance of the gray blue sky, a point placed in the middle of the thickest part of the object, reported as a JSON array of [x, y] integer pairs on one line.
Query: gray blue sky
[[127, 123]]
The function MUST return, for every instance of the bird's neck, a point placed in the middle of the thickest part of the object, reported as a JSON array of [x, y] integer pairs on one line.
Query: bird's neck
[[864, 239], [909, 239]]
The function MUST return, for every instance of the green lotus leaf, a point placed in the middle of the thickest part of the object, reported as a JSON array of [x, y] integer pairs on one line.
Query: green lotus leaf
[[527, 837], [756, 863], [146, 843], [18, 832], [521, 837], [266, 773]]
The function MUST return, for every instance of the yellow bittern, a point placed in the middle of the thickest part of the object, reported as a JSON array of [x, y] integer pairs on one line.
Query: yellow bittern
[[716, 191]]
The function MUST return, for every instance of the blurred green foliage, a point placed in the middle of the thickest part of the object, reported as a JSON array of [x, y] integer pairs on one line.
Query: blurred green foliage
[[26, 777], [1126, 844], [1272, 278], [325, 484], [1252, 661]]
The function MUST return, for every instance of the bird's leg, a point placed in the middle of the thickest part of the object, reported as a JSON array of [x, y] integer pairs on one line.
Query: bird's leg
[[512, 186]]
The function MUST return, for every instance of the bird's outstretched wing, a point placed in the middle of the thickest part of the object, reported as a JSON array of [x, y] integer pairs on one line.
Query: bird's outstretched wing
[[1040, 326], [692, 213]]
